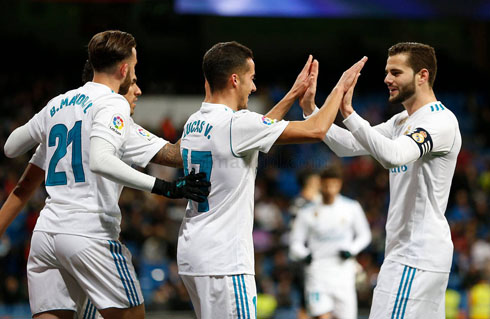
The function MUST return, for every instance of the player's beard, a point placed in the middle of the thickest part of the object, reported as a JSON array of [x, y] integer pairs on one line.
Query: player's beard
[[124, 87], [404, 93]]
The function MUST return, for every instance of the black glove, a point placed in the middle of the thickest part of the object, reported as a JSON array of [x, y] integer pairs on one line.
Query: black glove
[[344, 254], [307, 260], [193, 186]]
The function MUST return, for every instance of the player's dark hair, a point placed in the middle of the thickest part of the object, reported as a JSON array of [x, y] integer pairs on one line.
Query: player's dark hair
[[303, 176], [420, 56], [108, 48], [222, 60], [87, 73], [332, 171]]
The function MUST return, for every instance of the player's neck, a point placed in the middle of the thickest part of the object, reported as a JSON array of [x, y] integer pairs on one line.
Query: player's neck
[[222, 98], [328, 200], [418, 100], [107, 80]]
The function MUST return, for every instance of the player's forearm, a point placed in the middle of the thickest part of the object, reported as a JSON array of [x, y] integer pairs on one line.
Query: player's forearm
[[105, 163], [343, 143], [363, 239], [282, 108], [17, 199], [324, 118], [390, 153], [19, 142], [169, 155], [314, 128]]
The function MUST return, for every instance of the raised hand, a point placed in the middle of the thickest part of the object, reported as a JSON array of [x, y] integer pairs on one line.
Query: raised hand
[[302, 81], [346, 107], [349, 76], [307, 101]]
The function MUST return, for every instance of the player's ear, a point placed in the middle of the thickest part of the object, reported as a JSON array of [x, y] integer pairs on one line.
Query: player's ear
[[423, 76], [124, 69], [235, 80]]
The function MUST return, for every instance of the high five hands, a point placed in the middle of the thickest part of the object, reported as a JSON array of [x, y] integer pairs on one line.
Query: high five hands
[[346, 84]]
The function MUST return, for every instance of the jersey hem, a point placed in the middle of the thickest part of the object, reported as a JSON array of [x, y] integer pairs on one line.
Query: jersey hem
[[413, 265], [216, 274], [76, 234]]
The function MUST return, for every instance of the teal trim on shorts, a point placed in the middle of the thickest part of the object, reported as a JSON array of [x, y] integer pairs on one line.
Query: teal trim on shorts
[[246, 298], [408, 293], [236, 297], [398, 293], [116, 261], [132, 286], [402, 299]]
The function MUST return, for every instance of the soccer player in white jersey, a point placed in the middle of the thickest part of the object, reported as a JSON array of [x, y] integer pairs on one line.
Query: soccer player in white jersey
[[75, 250], [215, 252], [327, 237], [140, 146], [419, 147]]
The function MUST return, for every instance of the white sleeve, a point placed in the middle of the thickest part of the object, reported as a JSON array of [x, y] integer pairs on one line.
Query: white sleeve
[[390, 153], [112, 120], [251, 131], [344, 144], [299, 235], [361, 230], [435, 135], [103, 161], [39, 157], [19, 142], [141, 146]]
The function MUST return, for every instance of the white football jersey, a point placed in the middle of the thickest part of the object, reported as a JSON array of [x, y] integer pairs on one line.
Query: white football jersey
[[80, 202], [417, 232], [215, 237], [324, 230]]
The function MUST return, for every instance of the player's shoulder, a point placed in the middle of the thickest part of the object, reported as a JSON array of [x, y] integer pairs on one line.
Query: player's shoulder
[[253, 118], [194, 116], [441, 111], [308, 210], [347, 200], [399, 118], [438, 117]]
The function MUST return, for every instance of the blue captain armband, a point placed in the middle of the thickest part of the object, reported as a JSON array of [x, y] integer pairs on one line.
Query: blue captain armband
[[422, 139]]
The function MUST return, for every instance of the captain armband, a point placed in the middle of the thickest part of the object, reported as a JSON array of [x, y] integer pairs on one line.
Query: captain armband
[[422, 139]]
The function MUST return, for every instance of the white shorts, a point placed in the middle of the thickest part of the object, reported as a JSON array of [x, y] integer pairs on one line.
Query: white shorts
[[63, 270], [332, 289], [404, 292], [223, 297]]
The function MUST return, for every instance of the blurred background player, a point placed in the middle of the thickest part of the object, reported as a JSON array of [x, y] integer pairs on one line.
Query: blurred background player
[[419, 147], [215, 250], [328, 236], [65, 256], [309, 183]]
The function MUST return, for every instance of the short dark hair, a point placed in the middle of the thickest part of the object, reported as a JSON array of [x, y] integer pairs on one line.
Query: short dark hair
[[332, 171], [303, 176], [87, 73], [420, 56], [222, 60], [108, 48]]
